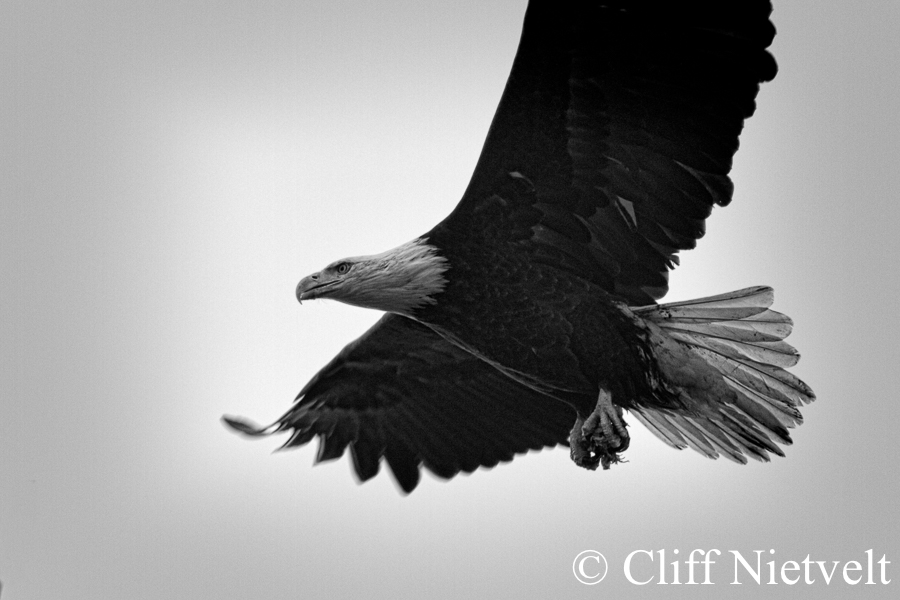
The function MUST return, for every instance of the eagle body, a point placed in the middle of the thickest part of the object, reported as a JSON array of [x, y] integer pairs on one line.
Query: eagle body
[[544, 327], [529, 317]]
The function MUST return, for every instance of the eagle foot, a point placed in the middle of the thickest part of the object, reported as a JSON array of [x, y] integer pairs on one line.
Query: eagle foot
[[598, 440]]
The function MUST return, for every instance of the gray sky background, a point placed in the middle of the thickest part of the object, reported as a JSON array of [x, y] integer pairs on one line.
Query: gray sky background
[[169, 170]]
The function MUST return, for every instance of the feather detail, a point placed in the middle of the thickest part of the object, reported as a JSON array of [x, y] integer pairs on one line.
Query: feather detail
[[724, 357]]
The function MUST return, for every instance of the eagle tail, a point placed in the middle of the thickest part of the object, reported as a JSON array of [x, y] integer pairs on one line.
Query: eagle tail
[[724, 358]]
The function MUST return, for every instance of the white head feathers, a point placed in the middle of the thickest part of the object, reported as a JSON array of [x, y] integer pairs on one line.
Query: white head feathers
[[399, 280]]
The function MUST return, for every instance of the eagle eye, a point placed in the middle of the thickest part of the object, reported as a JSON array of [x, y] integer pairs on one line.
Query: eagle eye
[[342, 268]]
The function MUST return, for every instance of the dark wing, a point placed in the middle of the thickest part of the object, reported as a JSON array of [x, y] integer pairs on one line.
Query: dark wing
[[615, 135], [404, 393]]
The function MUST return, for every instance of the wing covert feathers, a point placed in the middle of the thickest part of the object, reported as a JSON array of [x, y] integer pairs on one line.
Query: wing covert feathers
[[614, 138], [725, 356]]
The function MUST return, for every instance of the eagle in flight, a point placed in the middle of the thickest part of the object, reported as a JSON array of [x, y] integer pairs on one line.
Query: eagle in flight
[[528, 318]]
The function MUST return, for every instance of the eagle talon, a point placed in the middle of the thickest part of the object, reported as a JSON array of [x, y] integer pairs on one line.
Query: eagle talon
[[580, 446], [598, 440]]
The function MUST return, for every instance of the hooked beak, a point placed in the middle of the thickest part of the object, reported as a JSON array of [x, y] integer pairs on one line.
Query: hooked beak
[[312, 287]]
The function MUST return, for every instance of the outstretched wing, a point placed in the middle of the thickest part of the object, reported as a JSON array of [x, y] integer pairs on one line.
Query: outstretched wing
[[403, 393], [615, 135]]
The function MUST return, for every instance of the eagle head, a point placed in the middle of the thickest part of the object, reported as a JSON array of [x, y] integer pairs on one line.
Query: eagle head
[[399, 280]]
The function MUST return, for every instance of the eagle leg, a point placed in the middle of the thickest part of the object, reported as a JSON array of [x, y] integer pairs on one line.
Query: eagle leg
[[599, 438]]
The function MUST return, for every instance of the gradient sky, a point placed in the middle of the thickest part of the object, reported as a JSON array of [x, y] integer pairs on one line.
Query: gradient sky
[[169, 170]]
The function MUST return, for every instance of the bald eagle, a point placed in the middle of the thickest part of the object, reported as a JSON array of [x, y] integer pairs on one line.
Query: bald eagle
[[528, 318]]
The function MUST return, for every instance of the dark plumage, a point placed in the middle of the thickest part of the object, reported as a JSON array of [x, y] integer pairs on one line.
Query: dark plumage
[[532, 306]]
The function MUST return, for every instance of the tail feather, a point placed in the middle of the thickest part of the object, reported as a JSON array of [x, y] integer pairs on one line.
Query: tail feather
[[725, 357], [787, 414], [693, 436], [655, 422], [783, 390], [776, 353], [720, 440], [766, 326]]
